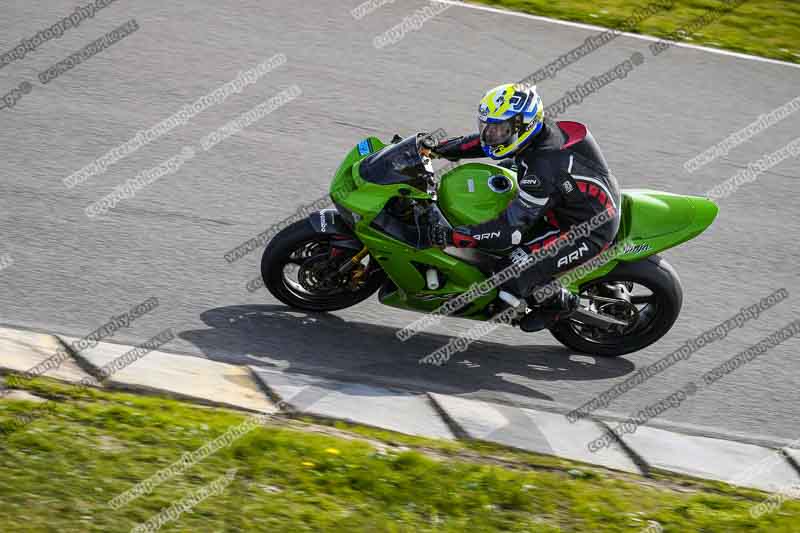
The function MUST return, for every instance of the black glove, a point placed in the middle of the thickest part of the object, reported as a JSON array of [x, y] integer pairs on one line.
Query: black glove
[[464, 147], [448, 149], [440, 235]]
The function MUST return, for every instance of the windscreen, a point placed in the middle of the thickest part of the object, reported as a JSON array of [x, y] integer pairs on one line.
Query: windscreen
[[397, 163]]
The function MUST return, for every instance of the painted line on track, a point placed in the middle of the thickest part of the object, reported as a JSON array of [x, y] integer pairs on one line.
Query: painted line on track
[[592, 27]]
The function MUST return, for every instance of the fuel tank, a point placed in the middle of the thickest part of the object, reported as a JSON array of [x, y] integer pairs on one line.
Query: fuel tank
[[476, 192]]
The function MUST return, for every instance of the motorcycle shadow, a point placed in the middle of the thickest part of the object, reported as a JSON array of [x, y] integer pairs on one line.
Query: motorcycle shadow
[[328, 346]]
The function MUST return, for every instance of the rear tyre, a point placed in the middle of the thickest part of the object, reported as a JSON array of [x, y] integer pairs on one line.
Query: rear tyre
[[299, 266], [654, 300]]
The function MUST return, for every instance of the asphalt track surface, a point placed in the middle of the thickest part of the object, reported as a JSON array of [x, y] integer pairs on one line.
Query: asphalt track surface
[[70, 273]]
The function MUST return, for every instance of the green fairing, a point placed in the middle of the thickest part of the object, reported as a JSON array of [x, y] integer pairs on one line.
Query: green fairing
[[652, 222]]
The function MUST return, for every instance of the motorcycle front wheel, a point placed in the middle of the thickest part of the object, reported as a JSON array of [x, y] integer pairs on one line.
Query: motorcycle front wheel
[[299, 268]]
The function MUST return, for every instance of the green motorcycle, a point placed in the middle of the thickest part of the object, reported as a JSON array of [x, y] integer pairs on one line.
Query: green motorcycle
[[386, 196]]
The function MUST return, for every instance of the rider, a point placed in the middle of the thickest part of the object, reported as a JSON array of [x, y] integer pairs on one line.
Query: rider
[[563, 180]]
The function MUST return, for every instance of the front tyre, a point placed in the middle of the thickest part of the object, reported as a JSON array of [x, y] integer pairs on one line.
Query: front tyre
[[299, 268], [646, 294]]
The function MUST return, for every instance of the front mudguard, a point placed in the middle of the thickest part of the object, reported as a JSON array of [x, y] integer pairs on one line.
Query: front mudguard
[[331, 222]]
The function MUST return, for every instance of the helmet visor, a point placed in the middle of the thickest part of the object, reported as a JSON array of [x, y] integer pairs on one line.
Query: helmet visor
[[495, 133]]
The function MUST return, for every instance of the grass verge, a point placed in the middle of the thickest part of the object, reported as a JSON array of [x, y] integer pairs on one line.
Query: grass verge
[[767, 28], [60, 470]]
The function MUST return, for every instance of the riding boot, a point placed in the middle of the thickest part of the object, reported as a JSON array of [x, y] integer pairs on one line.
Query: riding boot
[[544, 315]]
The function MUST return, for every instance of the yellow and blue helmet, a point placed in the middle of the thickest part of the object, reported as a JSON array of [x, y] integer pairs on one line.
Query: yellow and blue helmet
[[509, 117]]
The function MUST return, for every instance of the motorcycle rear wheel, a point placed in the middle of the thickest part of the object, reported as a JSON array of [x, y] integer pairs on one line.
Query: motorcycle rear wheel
[[650, 316]]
